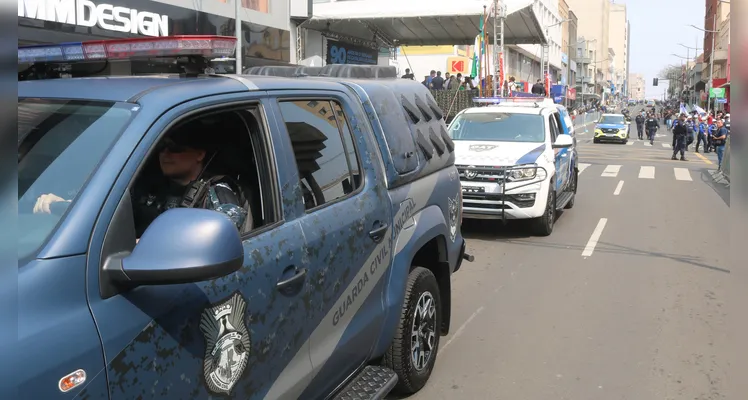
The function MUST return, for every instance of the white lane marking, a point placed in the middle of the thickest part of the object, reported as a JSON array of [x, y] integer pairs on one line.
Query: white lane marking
[[629, 143], [682, 174], [583, 166], [667, 145], [461, 329], [611, 171], [647, 173], [618, 189], [647, 144], [590, 248]]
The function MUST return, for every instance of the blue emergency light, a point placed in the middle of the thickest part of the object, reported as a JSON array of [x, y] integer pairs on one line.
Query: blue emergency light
[[122, 49]]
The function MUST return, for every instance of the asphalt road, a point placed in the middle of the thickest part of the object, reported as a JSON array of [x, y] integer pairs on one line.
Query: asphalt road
[[639, 315]]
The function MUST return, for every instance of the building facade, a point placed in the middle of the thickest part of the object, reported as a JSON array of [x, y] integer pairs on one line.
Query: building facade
[[572, 48], [618, 39], [268, 29], [594, 19], [637, 87]]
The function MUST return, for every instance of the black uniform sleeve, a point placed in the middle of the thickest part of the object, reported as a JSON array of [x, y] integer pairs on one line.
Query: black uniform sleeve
[[225, 199]]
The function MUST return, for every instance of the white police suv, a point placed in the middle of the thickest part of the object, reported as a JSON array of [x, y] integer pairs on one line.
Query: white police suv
[[516, 160]]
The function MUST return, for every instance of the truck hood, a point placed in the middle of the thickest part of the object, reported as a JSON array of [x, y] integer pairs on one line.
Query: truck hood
[[497, 154]]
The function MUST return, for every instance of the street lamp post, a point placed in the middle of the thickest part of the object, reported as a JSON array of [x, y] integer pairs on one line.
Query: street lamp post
[[711, 57], [690, 81]]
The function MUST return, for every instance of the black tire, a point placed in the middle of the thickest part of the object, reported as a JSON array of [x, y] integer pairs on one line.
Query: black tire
[[575, 185], [421, 282], [543, 226], [625, 141], [595, 141]]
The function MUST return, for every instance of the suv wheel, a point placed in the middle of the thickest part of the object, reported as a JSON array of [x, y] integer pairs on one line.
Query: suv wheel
[[412, 353], [543, 226], [574, 184]]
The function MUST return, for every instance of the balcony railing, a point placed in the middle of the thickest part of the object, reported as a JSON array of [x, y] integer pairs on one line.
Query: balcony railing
[[584, 60], [585, 79], [720, 55]]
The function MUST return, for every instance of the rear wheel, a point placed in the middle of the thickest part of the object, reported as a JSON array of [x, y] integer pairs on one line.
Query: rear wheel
[[412, 353], [574, 183]]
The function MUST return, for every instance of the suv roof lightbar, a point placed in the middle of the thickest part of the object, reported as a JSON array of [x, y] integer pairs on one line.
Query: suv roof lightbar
[[123, 49]]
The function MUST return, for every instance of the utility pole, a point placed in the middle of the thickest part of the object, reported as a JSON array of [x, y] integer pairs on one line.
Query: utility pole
[[498, 49], [238, 29], [711, 66]]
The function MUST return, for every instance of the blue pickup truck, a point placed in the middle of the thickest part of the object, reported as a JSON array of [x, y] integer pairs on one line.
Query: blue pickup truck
[[328, 277]]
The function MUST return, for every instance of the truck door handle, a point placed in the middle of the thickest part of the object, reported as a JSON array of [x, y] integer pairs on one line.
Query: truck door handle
[[292, 285], [377, 234]]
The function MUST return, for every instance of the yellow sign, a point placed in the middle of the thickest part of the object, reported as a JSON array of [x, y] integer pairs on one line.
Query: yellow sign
[[458, 65]]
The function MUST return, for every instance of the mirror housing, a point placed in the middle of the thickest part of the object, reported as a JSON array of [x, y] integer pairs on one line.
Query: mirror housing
[[182, 245], [563, 142]]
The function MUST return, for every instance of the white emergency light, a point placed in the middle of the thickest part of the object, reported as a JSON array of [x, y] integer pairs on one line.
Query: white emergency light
[[122, 49]]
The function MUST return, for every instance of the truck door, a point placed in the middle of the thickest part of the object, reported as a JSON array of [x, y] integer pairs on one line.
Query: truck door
[[348, 232], [230, 336], [561, 155]]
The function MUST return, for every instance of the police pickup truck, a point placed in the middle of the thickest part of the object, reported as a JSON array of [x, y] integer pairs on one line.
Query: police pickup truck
[[329, 279], [517, 160]]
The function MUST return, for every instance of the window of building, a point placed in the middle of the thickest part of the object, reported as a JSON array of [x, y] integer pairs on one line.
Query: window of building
[[325, 155]]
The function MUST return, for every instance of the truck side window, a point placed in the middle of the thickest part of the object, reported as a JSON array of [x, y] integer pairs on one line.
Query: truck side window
[[553, 127], [326, 170], [350, 148]]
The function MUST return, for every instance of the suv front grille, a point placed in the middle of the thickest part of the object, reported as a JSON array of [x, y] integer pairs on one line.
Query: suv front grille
[[482, 174], [609, 130]]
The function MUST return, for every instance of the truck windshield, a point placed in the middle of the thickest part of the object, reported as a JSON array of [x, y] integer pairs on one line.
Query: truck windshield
[[498, 127], [612, 119], [60, 145]]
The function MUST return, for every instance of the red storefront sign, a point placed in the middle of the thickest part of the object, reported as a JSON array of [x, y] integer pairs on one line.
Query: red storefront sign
[[571, 94]]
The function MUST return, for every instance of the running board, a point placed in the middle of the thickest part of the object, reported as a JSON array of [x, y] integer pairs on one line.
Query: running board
[[563, 200], [371, 383]]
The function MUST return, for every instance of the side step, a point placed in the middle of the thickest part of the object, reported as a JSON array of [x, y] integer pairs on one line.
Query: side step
[[563, 200], [372, 383]]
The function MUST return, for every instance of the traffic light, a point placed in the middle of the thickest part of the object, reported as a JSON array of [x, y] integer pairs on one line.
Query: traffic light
[[655, 81]]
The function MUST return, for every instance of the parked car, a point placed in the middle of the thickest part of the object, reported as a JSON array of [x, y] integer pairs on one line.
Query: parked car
[[516, 161]]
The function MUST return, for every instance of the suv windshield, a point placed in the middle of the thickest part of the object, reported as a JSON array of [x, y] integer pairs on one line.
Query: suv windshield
[[612, 119], [60, 144], [498, 127]]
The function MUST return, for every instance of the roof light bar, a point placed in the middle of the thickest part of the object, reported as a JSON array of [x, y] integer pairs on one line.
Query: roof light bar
[[499, 100], [123, 49]]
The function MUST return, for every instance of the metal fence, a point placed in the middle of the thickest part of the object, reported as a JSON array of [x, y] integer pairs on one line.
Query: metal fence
[[454, 101], [726, 160]]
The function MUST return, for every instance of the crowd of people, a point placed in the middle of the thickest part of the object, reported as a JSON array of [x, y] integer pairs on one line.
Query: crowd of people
[[708, 130]]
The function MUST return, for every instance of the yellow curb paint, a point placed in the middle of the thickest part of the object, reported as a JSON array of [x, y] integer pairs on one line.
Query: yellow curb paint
[[704, 159]]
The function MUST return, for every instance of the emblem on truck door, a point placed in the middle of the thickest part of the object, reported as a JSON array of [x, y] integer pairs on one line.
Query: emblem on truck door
[[226, 343], [454, 212]]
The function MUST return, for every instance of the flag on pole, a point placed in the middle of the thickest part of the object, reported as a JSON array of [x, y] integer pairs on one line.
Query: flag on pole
[[475, 72]]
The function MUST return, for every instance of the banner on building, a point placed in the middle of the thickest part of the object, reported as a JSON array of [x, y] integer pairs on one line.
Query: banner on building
[[458, 65], [346, 53]]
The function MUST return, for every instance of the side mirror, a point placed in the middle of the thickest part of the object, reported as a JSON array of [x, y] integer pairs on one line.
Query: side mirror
[[563, 142], [182, 245]]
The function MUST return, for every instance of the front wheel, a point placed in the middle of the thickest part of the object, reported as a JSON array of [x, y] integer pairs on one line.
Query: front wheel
[[543, 225], [412, 353]]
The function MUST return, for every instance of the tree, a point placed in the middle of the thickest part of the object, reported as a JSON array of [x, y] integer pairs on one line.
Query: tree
[[673, 74]]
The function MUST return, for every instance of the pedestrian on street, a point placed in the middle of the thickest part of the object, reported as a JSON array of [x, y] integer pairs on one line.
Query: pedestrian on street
[[538, 88], [720, 140], [702, 136], [652, 126], [680, 132], [640, 126]]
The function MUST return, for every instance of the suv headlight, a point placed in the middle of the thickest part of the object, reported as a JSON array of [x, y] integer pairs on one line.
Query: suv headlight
[[523, 173]]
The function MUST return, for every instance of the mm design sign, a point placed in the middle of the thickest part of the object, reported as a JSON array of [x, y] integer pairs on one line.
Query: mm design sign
[[89, 14]]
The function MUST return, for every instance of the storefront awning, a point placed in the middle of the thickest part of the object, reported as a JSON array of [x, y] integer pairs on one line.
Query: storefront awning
[[417, 23]]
